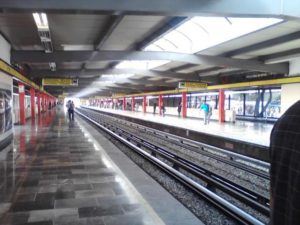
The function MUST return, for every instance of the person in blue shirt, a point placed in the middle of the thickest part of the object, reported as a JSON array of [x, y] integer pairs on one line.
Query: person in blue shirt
[[205, 107]]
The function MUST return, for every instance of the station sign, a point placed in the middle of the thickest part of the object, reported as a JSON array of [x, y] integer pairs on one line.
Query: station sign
[[192, 85], [118, 94], [60, 82]]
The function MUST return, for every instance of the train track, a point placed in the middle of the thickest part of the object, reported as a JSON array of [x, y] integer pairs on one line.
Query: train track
[[177, 167], [250, 165]]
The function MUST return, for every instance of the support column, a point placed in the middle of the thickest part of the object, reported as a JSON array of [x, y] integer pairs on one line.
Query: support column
[[221, 106], [32, 101], [160, 102], [184, 106], [46, 102], [22, 103], [42, 101], [124, 103], [132, 104], [144, 104], [39, 102]]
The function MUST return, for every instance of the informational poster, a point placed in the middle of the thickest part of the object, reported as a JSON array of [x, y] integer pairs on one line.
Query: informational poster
[[5, 106]]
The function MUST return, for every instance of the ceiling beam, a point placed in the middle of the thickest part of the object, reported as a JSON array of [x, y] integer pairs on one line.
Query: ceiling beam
[[281, 56], [79, 56], [268, 59], [114, 21], [265, 44], [182, 67], [109, 28], [97, 72], [217, 72], [143, 82], [158, 7], [168, 26]]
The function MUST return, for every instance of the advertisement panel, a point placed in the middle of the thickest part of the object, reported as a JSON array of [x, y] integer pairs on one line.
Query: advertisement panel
[[5, 106]]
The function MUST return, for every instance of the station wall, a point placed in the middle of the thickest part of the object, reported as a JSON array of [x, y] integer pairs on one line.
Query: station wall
[[290, 93], [4, 50], [6, 86]]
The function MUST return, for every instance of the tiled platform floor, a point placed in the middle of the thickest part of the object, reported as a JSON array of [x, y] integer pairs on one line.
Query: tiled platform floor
[[253, 132], [55, 175]]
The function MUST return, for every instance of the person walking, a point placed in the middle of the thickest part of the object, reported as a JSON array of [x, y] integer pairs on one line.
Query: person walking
[[71, 110], [285, 168]]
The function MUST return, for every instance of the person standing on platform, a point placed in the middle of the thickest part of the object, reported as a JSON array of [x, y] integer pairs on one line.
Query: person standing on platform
[[71, 110], [285, 168], [163, 109], [205, 107], [154, 107], [179, 109]]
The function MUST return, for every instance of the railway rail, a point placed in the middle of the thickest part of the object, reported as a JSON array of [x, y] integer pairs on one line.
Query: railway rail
[[177, 167]]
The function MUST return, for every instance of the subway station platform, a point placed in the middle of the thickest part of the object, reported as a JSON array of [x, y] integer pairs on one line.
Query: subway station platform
[[252, 132], [65, 172]]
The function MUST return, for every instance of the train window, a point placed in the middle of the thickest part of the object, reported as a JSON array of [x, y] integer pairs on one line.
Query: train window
[[250, 104], [237, 103], [272, 102], [211, 100]]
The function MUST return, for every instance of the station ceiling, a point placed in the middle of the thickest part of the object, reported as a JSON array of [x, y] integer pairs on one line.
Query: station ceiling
[[106, 49]]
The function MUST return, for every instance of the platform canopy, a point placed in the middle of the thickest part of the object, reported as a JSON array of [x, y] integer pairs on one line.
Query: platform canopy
[[137, 45]]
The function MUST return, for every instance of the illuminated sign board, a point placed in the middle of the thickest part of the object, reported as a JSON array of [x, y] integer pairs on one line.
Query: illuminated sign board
[[192, 85], [60, 82]]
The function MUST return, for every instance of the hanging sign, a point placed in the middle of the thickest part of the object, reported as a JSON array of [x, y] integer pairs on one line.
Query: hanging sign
[[118, 94], [60, 82], [192, 85]]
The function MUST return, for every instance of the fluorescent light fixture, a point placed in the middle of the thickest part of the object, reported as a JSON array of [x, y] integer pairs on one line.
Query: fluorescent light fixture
[[52, 66], [44, 19], [173, 96], [205, 94], [68, 47], [37, 19], [41, 20], [138, 97]]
